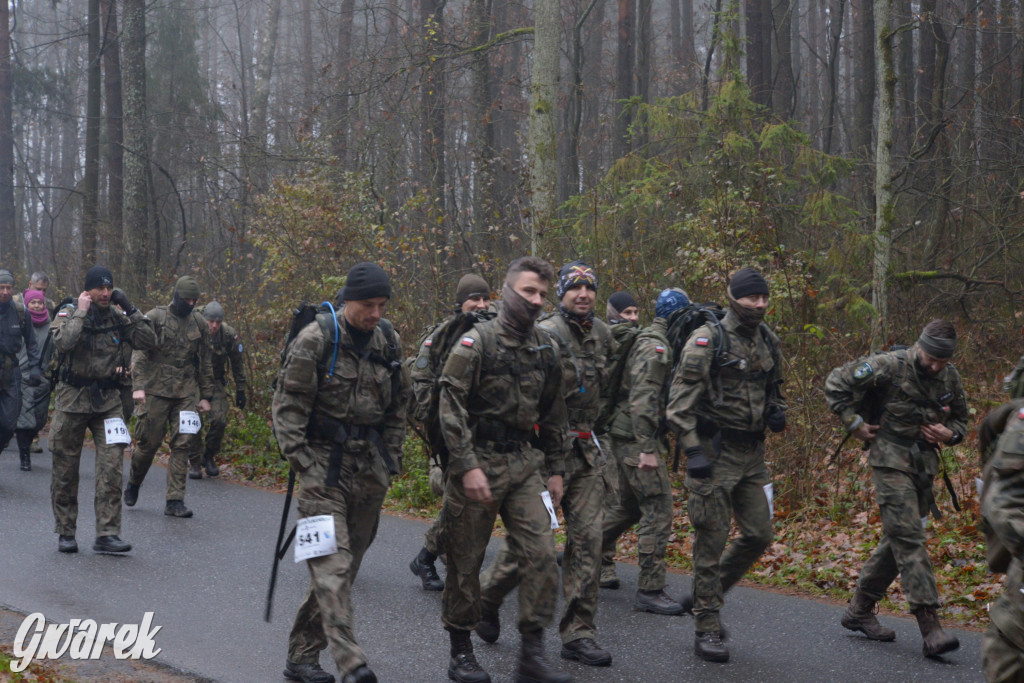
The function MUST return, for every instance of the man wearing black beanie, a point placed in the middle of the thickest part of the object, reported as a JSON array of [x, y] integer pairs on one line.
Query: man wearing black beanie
[[339, 418], [622, 308], [724, 394]]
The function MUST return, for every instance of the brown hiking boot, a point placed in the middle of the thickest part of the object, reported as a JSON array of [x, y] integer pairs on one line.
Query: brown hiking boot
[[860, 616], [936, 641], [609, 579]]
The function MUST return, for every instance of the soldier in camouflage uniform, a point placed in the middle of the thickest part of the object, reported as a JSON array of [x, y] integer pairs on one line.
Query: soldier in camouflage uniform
[[645, 493], [502, 378], [15, 332], [472, 294], [1002, 506], [585, 343], [623, 314], [166, 379], [341, 424], [225, 347], [719, 412], [923, 409], [89, 340]]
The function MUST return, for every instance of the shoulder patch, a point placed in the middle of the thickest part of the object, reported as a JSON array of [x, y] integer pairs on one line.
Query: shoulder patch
[[239, 346], [701, 341], [659, 348], [422, 362], [863, 371], [1020, 414], [63, 313], [468, 341], [428, 342]]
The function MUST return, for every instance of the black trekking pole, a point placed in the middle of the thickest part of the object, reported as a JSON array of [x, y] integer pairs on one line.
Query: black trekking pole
[[279, 549]]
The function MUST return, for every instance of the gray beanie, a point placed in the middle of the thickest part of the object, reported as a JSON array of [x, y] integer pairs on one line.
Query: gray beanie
[[213, 311]]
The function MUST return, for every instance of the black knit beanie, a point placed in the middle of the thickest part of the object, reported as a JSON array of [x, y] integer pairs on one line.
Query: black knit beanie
[[747, 282], [365, 281], [620, 301], [98, 276]]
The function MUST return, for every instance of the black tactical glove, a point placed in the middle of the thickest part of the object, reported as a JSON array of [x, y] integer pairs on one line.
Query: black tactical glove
[[121, 299], [35, 377], [240, 399], [697, 464], [775, 417]]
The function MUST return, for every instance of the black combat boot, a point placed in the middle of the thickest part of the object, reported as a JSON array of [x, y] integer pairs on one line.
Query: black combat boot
[[210, 465], [489, 627], [936, 641], [111, 544], [26, 461], [131, 494], [360, 674], [194, 472], [463, 667], [533, 667], [860, 616], [708, 646], [24, 439], [176, 508], [307, 673], [67, 544], [656, 602], [423, 566], [586, 651]]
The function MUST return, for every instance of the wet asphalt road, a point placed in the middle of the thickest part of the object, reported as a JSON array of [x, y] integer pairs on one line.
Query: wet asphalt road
[[206, 578]]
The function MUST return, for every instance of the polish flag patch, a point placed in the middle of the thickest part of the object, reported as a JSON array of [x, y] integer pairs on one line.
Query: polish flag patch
[[701, 341], [428, 342], [659, 349], [467, 341], [1021, 414]]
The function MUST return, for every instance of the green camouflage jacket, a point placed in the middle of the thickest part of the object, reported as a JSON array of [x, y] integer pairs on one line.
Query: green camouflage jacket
[[93, 343], [225, 347], [491, 376], [360, 392], [736, 395], [179, 365], [641, 399]]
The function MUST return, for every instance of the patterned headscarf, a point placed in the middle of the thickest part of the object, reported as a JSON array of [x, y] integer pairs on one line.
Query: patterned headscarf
[[574, 274]]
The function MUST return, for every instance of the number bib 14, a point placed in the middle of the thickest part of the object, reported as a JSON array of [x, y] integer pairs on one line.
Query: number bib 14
[[314, 537], [115, 431], [189, 422]]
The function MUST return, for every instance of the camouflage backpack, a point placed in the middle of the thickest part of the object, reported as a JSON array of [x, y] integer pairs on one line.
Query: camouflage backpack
[[1013, 383], [990, 430]]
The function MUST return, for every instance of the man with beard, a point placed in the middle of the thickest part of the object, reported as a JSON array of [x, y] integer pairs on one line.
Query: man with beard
[[89, 339], [723, 395], [166, 380], [15, 333], [472, 295], [635, 431], [500, 380], [924, 409], [585, 343]]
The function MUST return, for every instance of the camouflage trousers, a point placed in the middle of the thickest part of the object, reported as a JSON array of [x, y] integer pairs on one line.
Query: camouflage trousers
[[325, 616], [734, 492], [215, 423], [127, 402], [582, 506], [902, 551], [610, 479], [645, 497], [516, 488], [154, 416], [1001, 660], [66, 436], [433, 539]]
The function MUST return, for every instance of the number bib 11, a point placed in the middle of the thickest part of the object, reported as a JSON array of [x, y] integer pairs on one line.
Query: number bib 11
[[189, 422], [314, 537], [115, 431]]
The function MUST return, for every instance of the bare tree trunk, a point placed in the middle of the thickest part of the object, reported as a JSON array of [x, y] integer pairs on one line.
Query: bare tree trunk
[[836, 15], [91, 175], [864, 79], [759, 46], [624, 65], [543, 116], [923, 114], [885, 80], [115, 132], [342, 61], [904, 45], [481, 129], [264, 72], [574, 119], [9, 242], [784, 87], [307, 62], [644, 60], [136, 143], [432, 100], [689, 46]]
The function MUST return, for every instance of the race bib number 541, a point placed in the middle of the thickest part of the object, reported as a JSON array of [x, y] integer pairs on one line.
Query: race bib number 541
[[188, 422], [314, 537]]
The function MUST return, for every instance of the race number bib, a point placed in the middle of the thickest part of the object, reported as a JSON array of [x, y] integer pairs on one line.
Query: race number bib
[[546, 497], [115, 431], [314, 537], [769, 494], [189, 422]]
